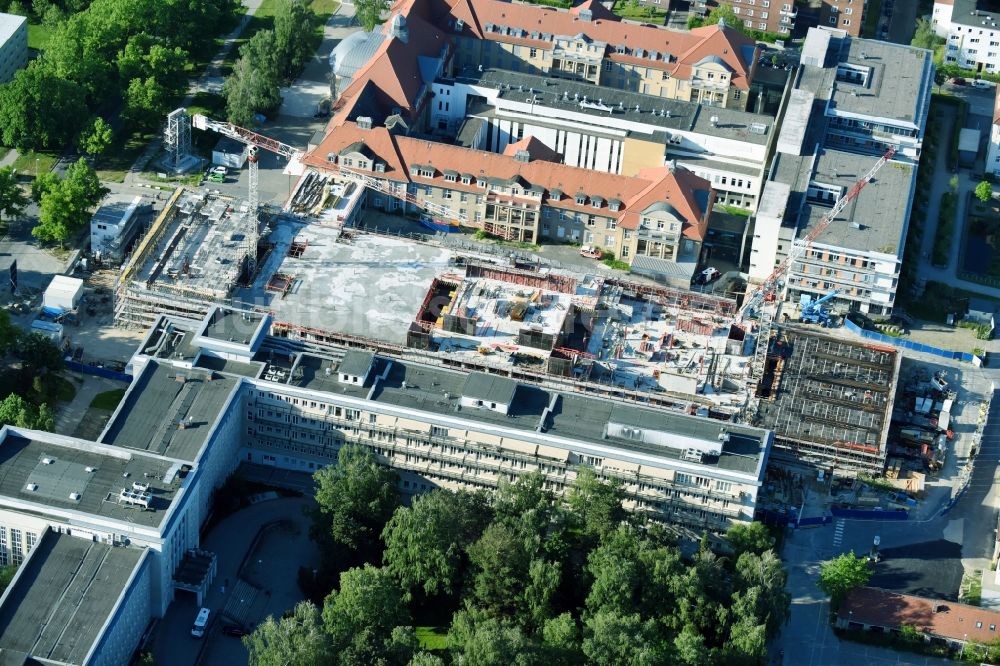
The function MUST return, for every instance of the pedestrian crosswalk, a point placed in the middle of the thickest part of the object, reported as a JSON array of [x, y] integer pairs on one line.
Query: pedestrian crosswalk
[[838, 533]]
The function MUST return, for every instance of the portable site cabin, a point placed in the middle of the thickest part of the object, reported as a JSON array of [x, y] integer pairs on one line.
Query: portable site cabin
[[63, 294]]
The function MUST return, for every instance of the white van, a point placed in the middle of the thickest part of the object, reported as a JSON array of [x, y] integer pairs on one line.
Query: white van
[[200, 623]]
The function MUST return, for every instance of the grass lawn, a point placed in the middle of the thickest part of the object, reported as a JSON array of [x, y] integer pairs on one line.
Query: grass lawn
[[115, 163], [107, 400], [971, 591], [38, 36], [626, 10], [208, 104], [33, 163], [432, 638]]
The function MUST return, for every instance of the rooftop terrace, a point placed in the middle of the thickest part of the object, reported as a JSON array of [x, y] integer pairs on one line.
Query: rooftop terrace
[[62, 597]]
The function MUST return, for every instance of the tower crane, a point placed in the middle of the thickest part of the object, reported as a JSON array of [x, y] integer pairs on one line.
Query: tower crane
[[765, 292], [255, 142]]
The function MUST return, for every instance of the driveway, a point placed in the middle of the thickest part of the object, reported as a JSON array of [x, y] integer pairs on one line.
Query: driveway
[[231, 541], [302, 98]]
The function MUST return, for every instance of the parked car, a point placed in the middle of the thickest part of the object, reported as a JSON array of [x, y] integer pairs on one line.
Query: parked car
[[591, 252], [958, 81], [217, 174], [234, 630], [979, 83], [707, 275]]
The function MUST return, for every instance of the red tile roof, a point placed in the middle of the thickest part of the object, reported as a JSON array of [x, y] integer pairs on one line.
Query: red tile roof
[[688, 47], [535, 148], [947, 619], [677, 187]]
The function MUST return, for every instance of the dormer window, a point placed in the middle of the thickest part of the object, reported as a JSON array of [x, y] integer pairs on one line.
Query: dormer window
[[581, 199], [614, 205], [331, 158], [450, 177], [596, 202], [380, 167], [466, 180]]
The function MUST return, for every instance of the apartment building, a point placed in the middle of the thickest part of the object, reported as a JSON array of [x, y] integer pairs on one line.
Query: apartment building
[[13, 45], [993, 149], [852, 100], [774, 16], [846, 15], [520, 195], [972, 30]]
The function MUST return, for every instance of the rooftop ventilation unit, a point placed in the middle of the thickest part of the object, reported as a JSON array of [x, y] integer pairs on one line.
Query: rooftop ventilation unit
[[692, 455], [48, 461], [714, 120], [74, 496], [140, 487], [90, 469], [31, 487], [758, 128]]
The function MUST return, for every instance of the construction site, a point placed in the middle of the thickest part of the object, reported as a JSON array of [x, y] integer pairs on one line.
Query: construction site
[[593, 328], [829, 401]]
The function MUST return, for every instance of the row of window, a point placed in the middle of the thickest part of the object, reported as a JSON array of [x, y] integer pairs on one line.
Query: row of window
[[18, 549]]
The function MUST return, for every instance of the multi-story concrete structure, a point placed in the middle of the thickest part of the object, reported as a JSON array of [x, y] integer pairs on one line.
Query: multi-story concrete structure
[[993, 148], [852, 100], [972, 28], [846, 15], [127, 509], [13, 45]]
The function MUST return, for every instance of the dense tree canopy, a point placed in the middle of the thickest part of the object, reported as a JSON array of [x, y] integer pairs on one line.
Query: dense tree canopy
[[519, 576], [65, 203], [12, 197]]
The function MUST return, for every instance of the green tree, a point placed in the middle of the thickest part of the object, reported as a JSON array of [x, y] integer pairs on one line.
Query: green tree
[[39, 109], [501, 558], [595, 506], [6, 576], [12, 197], [725, 12], [10, 335], [984, 191], [298, 639], [254, 84], [426, 659], [83, 179], [747, 643], [97, 137], [294, 21], [561, 641], [369, 13], [924, 36], [146, 102], [842, 574], [615, 639], [749, 538], [362, 617], [474, 640], [425, 543], [356, 497], [16, 411], [765, 574], [910, 634], [689, 646]]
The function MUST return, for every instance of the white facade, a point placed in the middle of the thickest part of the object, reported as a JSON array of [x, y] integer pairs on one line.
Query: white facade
[[111, 225], [13, 45], [993, 148], [973, 37]]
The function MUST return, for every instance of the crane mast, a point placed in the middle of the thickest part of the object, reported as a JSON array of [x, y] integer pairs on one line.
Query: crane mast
[[766, 290], [254, 142]]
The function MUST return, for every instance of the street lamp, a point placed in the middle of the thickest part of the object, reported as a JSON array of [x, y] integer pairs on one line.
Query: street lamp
[[965, 639]]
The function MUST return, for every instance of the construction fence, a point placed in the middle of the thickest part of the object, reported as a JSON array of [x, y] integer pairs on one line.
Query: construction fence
[[915, 346]]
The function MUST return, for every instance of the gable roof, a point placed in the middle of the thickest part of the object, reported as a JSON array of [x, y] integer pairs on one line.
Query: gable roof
[[535, 149], [948, 619], [686, 192], [687, 48]]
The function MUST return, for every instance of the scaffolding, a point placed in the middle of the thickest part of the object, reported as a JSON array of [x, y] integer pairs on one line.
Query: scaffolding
[[828, 401], [177, 137]]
